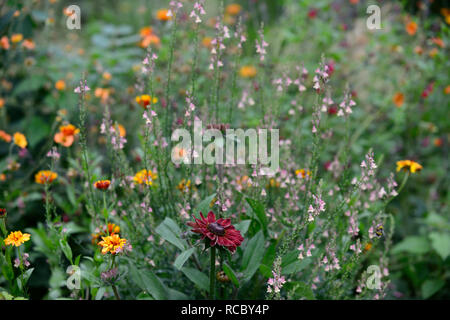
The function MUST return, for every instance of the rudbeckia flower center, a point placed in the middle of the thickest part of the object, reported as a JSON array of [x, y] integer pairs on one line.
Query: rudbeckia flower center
[[216, 228]]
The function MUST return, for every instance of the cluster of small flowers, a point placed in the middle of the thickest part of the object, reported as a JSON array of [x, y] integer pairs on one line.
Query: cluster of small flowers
[[148, 116], [261, 45], [218, 46], [276, 283], [26, 263], [54, 154], [316, 116], [327, 102], [321, 75], [330, 261], [319, 206], [308, 247], [108, 276], [149, 62], [368, 167], [353, 228], [392, 185], [174, 7], [245, 100], [239, 34], [117, 141], [82, 88], [198, 11], [190, 107], [345, 107]]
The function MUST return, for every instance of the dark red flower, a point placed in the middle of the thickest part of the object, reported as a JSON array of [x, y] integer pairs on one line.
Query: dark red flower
[[312, 13], [219, 231]]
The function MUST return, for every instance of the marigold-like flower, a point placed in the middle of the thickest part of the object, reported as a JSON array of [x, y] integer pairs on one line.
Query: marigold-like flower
[[302, 173], [45, 176], [66, 135], [145, 176], [233, 9], [247, 72], [184, 186], [20, 140], [162, 15], [113, 244], [60, 85], [16, 37], [102, 184], [106, 231], [145, 100], [398, 99], [17, 238], [411, 28], [220, 232], [4, 136], [408, 165]]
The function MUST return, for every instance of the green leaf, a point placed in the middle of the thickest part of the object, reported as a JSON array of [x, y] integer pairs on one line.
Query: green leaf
[[302, 290], [295, 266], [441, 243], [430, 287], [100, 293], [176, 295], [230, 273], [265, 270], [243, 226], [169, 230], [197, 277], [258, 209], [66, 249], [182, 258], [147, 281], [253, 254], [413, 244], [204, 206]]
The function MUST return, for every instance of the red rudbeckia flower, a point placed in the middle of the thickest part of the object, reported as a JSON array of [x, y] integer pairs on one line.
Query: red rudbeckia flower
[[219, 231]]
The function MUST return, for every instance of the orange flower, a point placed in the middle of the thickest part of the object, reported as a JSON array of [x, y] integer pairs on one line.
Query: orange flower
[[148, 40], [145, 177], [28, 44], [233, 9], [408, 165], [447, 89], [145, 100], [247, 72], [411, 28], [4, 43], [438, 142], [433, 52], [107, 76], [438, 41], [16, 38], [398, 99], [145, 31], [17, 238], [354, 1], [113, 244], [20, 140], [60, 85], [206, 42], [162, 15], [45, 176], [122, 131], [4, 136], [66, 135], [418, 50], [102, 184], [2, 103], [302, 173]]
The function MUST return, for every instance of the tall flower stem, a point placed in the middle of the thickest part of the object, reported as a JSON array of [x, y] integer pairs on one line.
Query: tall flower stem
[[212, 274]]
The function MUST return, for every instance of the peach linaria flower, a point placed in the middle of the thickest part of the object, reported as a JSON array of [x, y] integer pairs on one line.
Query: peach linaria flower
[[4, 43], [145, 176], [20, 140], [247, 71], [233, 9], [447, 89], [398, 99], [113, 244], [438, 41], [17, 238], [66, 135], [145, 100], [15, 38], [107, 76], [45, 176], [102, 184], [418, 50], [28, 44], [411, 28], [206, 42], [410, 165], [162, 15], [60, 85], [5, 137], [437, 142]]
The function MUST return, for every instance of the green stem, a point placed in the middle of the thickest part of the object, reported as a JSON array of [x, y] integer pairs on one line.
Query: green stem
[[212, 273]]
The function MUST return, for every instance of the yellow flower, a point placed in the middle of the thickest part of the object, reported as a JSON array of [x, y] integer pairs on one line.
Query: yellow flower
[[162, 15], [184, 186], [408, 165], [302, 173], [45, 176], [16, 38], [113, 244], [247, 72], [20, 140], [16, 238], [145, 99], [145, 176]]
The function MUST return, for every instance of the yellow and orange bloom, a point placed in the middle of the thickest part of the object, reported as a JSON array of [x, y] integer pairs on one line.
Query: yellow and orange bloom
[[5, 137], [233, 9], [247, 71], [122, 131], [106, 231], [15, 38], [447, 89], [148, 37], [411, 28], [145, 177], [45, 177], [66, 135], [145, 100], [17, 238], [398, 99], [20, 140], [410, 165], [184, 186], [4, 43], [113, 244], [438, 41], [302, 173], [162, 15], [206, 42], [102, 184], [60, 85], [106, 76]]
